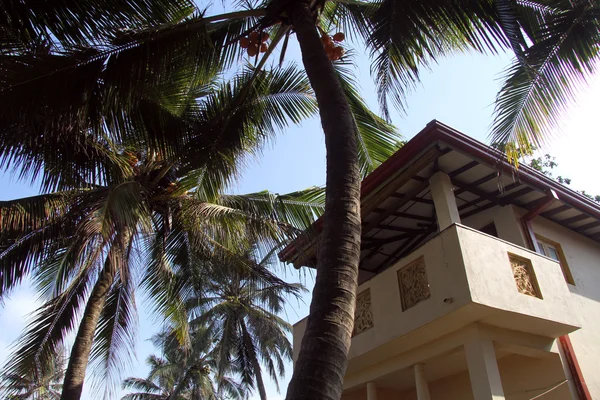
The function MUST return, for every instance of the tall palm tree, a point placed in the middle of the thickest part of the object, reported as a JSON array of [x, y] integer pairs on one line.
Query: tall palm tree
[[243, 311], [44, 382], [555, 44], [97, 97], [84, 245], [183, 374]]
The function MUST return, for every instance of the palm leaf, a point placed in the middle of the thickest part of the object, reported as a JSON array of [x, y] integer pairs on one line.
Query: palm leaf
[[76, 22], [377, 139], [536, 92], [51, 324], [406, 36]]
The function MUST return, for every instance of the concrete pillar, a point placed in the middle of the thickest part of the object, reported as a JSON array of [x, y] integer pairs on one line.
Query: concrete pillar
[[443, 200], [483, 370], [421, 383], [508, 226], [371, 391]]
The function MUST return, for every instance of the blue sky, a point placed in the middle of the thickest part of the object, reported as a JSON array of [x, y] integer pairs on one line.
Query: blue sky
[[459, 92]]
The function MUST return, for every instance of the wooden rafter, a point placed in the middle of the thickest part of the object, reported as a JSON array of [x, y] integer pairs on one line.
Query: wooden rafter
[[515, 195], [475, 190], [402, 229], [476, 210], [574, 219], [463, 169], [395, 182], [554, 211], [588, 226], [422, 200], [406, 197], [478, 182], [402, 250], [471, 204], [540, 205], [384, 241]]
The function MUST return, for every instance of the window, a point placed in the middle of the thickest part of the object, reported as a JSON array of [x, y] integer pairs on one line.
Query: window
[[554, 251]]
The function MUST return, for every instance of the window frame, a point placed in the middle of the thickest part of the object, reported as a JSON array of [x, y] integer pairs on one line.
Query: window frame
[[562, 260]]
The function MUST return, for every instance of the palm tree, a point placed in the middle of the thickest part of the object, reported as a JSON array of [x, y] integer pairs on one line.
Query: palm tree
[[555, 43], [41, 383], [84, 245], [183, 374], [242, 308]]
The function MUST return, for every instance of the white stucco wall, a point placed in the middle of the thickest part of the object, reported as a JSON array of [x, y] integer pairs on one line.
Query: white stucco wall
[[583, 258], [491, 283]]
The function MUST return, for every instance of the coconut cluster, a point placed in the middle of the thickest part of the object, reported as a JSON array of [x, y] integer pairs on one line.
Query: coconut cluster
[[332, 45], [255, 42]]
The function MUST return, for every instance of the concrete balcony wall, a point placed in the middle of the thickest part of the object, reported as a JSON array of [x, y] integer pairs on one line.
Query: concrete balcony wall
[[470, 280], [491, 283]]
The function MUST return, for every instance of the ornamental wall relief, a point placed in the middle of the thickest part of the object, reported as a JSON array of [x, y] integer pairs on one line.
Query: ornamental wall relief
[[414, 285], [363, 315]]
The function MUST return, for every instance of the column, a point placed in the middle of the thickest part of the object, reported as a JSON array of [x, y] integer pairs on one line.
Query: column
[[508, 226], [371, 391], [483, 370], [421, 383], [443, 199]]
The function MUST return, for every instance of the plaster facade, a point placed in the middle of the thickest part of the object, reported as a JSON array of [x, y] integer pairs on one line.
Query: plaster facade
[[473, 315]]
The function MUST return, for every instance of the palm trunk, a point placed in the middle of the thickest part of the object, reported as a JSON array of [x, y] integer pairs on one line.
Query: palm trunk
[[182, 383], [80, 353], [260, 384], [259, 380], [323, 357]]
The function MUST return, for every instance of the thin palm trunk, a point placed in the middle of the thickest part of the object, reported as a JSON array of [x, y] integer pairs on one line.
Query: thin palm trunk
[[260, 384], [80, 353], [182, 383], [323, 358]]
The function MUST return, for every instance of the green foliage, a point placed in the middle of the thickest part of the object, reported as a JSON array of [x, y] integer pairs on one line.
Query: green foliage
[[544, 164], [146, 207], [242, 303], [559, 55], [183, 373], [44, 382]]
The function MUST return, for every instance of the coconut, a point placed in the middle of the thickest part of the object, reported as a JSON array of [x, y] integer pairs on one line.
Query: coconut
[[252, 51], [339, 37]]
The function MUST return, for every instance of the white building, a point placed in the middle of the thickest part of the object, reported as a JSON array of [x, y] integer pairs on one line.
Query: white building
[[476, 281]]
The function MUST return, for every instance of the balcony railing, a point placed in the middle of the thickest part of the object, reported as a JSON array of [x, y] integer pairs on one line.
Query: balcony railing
[[459, 277]]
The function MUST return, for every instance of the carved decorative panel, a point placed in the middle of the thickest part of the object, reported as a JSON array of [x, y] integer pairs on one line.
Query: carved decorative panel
[[363, 315], [414, 285], [524, 276]]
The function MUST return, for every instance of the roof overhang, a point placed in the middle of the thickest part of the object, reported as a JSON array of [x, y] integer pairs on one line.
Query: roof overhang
[[397, 210]]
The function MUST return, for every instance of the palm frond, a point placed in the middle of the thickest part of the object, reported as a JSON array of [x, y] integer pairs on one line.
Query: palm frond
[[29, 229], [406, 36], [536, 92], [50, 325], [70, 23], [377, 138]]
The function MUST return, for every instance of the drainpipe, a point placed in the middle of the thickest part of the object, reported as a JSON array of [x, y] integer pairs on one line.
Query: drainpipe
[[564, 342], [571, 360]]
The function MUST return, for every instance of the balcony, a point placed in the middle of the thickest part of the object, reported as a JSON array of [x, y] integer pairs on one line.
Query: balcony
[[458, 278]]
